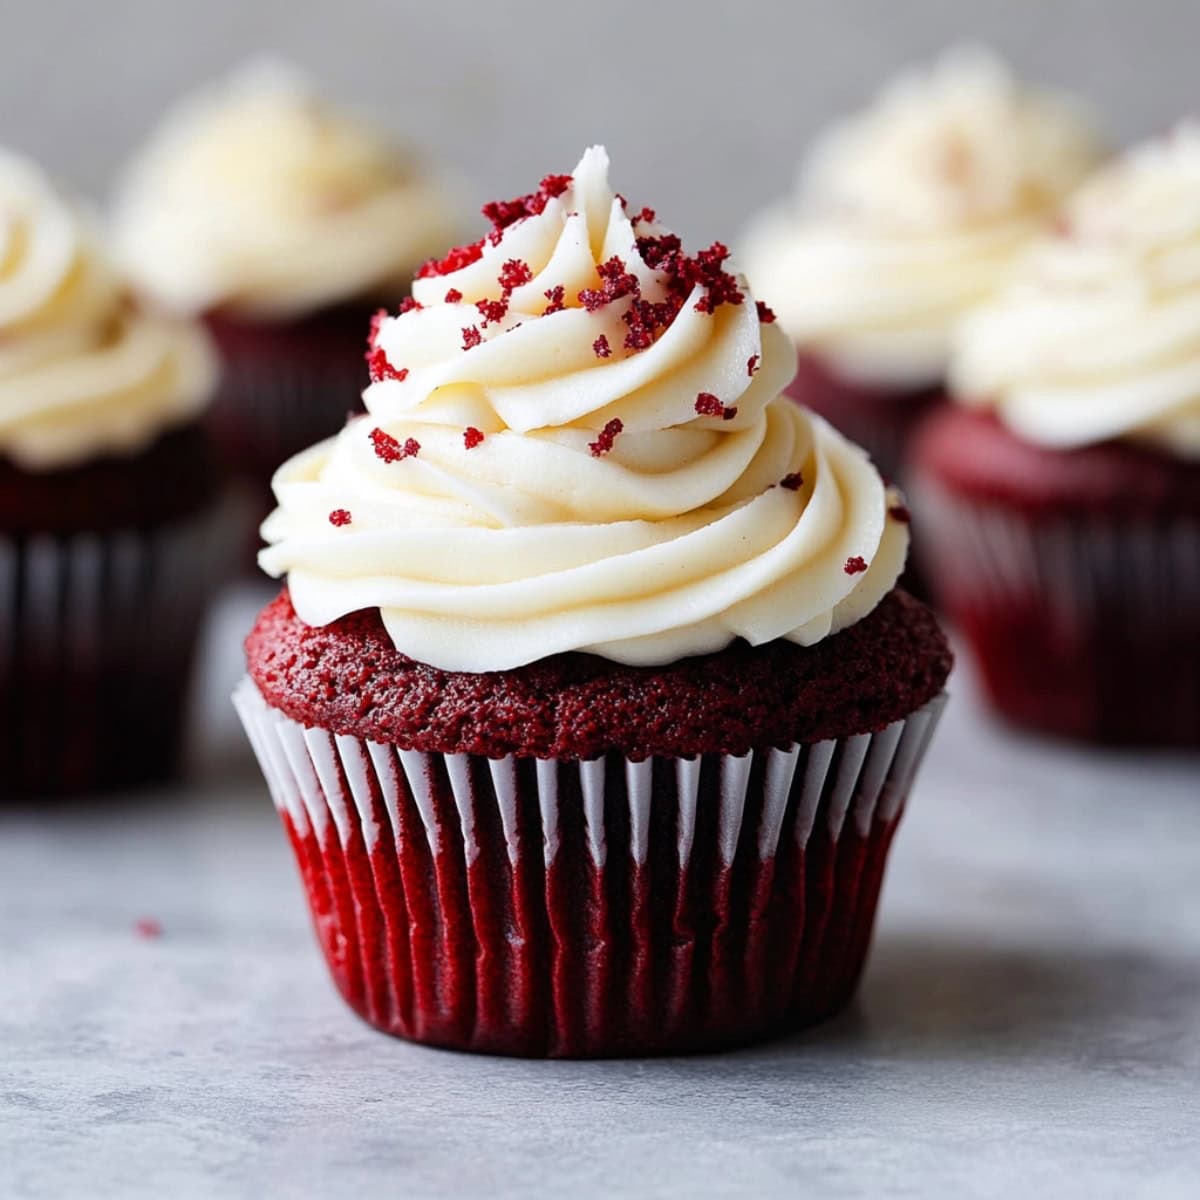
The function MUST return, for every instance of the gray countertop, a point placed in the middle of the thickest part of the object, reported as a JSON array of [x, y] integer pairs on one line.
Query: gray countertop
[[1030, 1016]]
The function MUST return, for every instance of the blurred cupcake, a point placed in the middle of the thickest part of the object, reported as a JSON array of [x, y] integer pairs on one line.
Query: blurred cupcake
[[908, 214], [107, 506], [1063, 498], [284, 223], [589, 706]]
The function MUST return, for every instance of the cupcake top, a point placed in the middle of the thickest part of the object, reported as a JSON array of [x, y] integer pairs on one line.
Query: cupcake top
[[575, 440], [1097, 337], [85, 371], [258, 198], [912, 211]]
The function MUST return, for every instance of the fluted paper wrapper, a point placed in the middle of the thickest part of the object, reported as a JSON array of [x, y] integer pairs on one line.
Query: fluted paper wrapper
[[607, 907], [97, 632], [1087, 627]]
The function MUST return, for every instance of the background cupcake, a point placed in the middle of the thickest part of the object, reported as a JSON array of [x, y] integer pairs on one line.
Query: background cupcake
[[908, 214], [1063, 497], [589, 706], [107, 506], [285, 223]]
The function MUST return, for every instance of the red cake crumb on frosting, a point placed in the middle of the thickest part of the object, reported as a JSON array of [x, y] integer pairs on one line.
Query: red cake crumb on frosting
[[503, 213], [557, 297], [340, 517], [765, 314], [471, 337], [514, 274], [347, 677], [379, 368], [389, 448], [453, 296], [472, 437], [455, 260], [855, 565], [899, 512], [601, 348], [793, 482], [604, 443], [492, 311], [377, 319], [708, 405], [410, 304], [752, 365]]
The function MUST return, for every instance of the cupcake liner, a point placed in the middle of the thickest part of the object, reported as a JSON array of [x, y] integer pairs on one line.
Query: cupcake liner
[[605, 907], [1084, 626], [96, 640]]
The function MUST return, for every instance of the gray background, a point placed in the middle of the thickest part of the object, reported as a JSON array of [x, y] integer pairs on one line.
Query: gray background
[[705, 106]]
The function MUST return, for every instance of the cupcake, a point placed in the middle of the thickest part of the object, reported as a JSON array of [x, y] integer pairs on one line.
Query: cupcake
[[908, 214], [107, 506], [589, 705], [283, 223], [1062, 496]]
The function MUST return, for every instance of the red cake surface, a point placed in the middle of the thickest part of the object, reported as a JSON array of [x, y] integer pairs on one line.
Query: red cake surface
[[346, 677], [974, 455], [172, 479]]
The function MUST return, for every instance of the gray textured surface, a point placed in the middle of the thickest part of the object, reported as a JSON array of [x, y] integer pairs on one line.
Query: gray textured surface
[[704, 105], [1030, 1018]]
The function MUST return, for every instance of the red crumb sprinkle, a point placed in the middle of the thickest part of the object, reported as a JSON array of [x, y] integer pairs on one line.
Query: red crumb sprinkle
[[147, 927], [503, 213], [409, 304], [604, 443], [514, 273], [646, 217], [471, 337], [379, 368], [752, 364], [492, 311], [455, 260], [793, 482], [453, 296], [616, 283], [555, 295], [708, 405], [377, 320], [389, 448], [899, 512], [339, 517], [472, 437], [855, 565], [765, 315], [601, 347]]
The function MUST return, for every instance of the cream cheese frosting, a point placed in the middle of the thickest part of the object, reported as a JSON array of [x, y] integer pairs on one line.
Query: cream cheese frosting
[[1098, 334], [259, 198], [912, 211], [84, 370], [578, 442]]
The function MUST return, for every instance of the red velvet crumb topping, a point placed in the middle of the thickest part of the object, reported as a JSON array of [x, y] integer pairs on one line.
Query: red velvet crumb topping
[[389, 448], [752, 364], [616, 283], [503, 213], [339, 517], [855, 565], [899, 512], [472, 437], [377, 320], [455, 260], [601, 347], [555, 295], [604, 443], [765, 315], [793, 482], [379, 368], [492, 311], [708, 405], [453, 296], [514, 273], [471, 337]]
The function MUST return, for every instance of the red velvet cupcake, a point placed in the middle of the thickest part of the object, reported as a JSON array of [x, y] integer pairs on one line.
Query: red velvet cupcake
[[109, 514], [284, 224], [1065, 523], [589, 707], [908, 214]]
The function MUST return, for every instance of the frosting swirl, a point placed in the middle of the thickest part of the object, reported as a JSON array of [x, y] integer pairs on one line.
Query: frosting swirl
[[259, 198], [578, 443], [913, 211], [1098, 334], [84, 371]]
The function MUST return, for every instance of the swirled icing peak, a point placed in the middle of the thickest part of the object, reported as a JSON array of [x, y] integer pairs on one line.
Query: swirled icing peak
[[575, 440], [259, 197], [913, 210], [84, 370], [1098, 334]]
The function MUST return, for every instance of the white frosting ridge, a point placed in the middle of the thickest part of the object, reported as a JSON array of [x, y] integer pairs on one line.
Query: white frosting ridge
[[84, 370], [912, 211], [1098, 334], [539, 539], [259, 198]]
